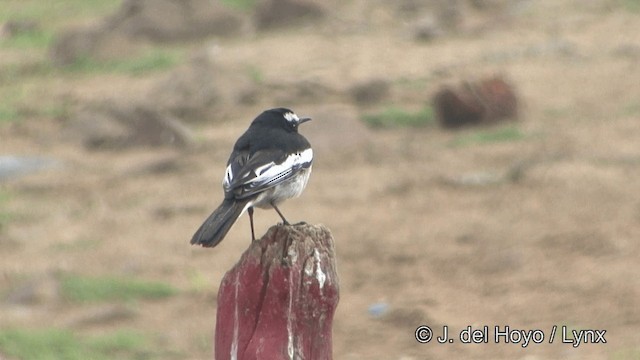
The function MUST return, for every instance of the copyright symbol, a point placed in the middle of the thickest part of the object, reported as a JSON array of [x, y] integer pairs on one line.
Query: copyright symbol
[[423, 334]]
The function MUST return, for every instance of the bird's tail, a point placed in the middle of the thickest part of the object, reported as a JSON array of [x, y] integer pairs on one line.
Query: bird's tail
[[214, 229]]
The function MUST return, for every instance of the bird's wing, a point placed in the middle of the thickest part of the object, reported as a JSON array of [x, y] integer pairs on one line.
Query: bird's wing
[[247, 175]]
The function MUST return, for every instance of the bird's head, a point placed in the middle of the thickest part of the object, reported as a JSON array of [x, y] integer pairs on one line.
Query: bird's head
[[280, 117]]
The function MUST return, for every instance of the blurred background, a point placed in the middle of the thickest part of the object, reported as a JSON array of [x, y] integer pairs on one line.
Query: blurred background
[[477, 162]]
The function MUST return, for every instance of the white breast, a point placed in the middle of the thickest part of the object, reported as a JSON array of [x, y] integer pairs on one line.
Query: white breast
[[287, 190]]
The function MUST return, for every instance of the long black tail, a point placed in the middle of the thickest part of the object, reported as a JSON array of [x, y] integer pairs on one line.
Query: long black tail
[[214, 229]]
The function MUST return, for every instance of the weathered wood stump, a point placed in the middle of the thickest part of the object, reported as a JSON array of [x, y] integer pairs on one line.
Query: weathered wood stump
[[278, 301]]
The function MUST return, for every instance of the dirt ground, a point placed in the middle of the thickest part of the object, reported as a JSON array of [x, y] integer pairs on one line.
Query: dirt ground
[[416, 232]]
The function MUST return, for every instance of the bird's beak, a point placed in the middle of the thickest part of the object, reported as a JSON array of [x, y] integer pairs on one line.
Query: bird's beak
[[303, 120]]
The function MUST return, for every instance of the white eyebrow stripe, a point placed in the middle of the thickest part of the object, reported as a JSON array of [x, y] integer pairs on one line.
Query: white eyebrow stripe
[[291, 117]]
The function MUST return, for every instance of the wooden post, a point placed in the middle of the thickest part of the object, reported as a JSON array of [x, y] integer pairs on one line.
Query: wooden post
[[278, 301]]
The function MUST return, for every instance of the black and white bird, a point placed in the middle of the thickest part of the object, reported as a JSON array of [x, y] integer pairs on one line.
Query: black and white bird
[[270, 162]]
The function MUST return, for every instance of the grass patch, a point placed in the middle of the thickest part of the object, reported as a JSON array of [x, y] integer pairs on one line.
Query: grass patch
[[16, 111], [5, 215], [153, 61], [48, 17], [255, 74], [626, 354], [28, 40], [22, 98], [9, 100], [77, 245], [60, 110], [556, 113], [54, 12], [17, 72], [8, 113], [412, 83], [631, 109], [631, 5], [503, 134], [52, 344], [394, 117], [244, 5], [198, 282], [97, 289]]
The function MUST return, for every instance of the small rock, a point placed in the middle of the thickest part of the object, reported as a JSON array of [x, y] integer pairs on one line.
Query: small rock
[[150, 127], [370, 92], [170, 20], [125, 125], [13, 28], [298, 92], [35, 292], [137, 21], [191, 91], [405, 317], [272, 14], [102, 314], [15, 166], [378, 309], [474, 179], [155, 167], [513, 174], [74, 44], [426, 28], [482, 102], [337, 130], [171, 211], [629, 51]]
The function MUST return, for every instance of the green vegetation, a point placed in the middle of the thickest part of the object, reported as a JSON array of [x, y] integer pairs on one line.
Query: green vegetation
[[16, 102], [27, 77], [487, 136], [60, 110], [631, 109], [8, 112], [10, 99], [54, 12], [414, 83], [155, 60], [28, 39], [626, 354], [394, 116], [5, 216], [198, 283], [244, 5], [631, 5], [18, 72], [96, 289], [557, 113], [77, 245], [53, 344], [255, 74], [21, 83], [151, 61], [47, 17]]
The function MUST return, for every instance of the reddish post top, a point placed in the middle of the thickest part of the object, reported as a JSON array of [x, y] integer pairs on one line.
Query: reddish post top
[[278, 301]]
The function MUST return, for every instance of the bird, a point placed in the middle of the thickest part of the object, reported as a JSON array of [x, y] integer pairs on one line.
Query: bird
[[271, 162]]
